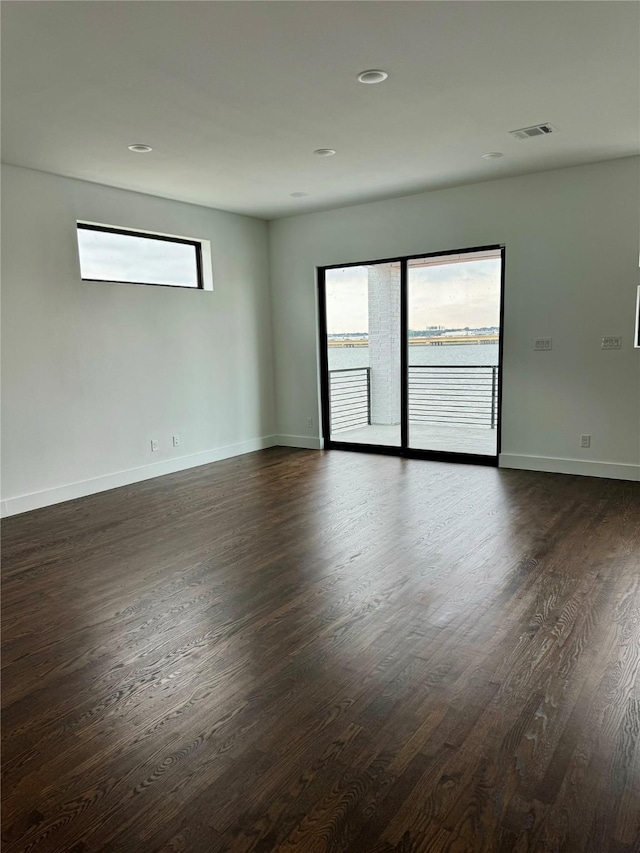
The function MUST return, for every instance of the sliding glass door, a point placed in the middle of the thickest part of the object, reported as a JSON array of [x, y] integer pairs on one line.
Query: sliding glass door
[[363, 351], [454, 344], [410, 355]]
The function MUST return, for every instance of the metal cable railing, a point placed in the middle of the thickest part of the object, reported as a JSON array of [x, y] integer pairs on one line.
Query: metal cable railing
[[350, 398], [465, 395], [460, 395]]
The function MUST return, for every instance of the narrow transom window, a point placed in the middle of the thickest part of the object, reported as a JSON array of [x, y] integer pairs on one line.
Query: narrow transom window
[[136, 257]]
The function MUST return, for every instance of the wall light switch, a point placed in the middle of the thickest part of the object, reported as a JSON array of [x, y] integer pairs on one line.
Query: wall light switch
[[611, 342], [542, 344]]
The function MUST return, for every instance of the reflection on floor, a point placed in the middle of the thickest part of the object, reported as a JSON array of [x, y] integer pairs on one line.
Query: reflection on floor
[[301, 652], [455, 439]]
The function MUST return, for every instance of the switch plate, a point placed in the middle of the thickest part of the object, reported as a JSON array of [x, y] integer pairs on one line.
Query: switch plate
[[154, 445], [542, 344], [611, 342], [585, 441]]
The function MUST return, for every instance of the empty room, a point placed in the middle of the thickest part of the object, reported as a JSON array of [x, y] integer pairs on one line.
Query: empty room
[[320, 426]]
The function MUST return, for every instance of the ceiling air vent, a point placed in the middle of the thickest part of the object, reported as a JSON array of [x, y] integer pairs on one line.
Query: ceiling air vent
[[535, 130]]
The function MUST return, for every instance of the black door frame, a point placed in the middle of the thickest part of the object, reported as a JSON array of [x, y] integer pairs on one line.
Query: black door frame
[[404, 449]]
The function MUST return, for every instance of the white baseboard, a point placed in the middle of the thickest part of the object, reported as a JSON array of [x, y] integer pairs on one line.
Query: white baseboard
[[70, 491], [47, 497], [587, 468], [310, 442]]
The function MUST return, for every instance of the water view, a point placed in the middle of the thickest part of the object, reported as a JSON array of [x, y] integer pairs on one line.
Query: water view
[[453, 354]]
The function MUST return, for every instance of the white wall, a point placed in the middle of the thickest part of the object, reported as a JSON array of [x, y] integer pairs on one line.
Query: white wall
[[92, 372], [571, 241]]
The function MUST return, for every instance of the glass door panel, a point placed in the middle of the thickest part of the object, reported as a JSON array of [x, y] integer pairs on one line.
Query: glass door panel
[[453, 352], [362, 305]]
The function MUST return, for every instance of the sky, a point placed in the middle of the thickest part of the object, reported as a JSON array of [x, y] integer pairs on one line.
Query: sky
[[120, 257], [450, 295]]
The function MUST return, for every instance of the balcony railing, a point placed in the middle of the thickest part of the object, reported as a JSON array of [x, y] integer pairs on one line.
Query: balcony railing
[[460, 395], [350, 398], [465, 395]]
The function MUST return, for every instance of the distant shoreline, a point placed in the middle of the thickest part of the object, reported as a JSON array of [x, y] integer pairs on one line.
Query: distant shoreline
[[438, 341]]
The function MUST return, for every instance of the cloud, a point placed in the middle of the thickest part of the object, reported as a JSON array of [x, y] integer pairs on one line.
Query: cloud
[[455, 295], [450, 295], [121, 257]]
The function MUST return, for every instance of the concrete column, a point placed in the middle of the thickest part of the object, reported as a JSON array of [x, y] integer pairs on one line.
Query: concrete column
[[384, 342]]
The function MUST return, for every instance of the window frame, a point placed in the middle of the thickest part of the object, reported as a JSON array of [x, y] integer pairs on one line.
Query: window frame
[[150, 235]]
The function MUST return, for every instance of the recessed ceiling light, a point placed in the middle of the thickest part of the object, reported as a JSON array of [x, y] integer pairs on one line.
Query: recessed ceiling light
[[325, 152], [492, 155], [139, 148], [298, 195], [374, 75]]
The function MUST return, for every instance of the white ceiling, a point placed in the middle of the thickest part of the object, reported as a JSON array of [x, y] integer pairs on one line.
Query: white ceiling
[[235, 96]]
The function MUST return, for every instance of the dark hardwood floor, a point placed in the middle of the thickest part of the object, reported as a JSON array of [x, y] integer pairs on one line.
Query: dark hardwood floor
[[298, 651]]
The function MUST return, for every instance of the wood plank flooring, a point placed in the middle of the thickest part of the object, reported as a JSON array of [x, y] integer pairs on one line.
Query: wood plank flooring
[[324, 652]]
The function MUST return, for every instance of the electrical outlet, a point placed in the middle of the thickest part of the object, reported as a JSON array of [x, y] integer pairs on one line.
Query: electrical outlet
[[585, 441], [309, 423], [611, 342], [176, 441], [155, 445], [542, 344]]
